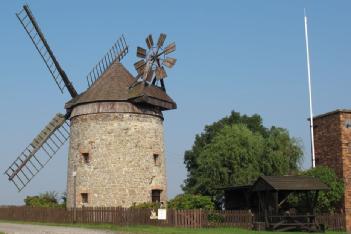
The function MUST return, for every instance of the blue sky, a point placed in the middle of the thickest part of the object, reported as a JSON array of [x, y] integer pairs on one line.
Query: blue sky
[[247, 56]]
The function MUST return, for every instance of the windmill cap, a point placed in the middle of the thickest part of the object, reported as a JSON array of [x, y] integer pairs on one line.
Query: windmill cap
[[113, 86]]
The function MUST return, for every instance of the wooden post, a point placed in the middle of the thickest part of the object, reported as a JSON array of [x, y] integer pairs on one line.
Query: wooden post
[[266, 206], [276, 207], [315, 202]]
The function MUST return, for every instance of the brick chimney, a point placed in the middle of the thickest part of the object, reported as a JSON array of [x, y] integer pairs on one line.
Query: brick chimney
[[332, 139]]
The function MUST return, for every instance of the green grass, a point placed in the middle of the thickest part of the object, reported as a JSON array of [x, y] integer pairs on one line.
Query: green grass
[[164, 230]]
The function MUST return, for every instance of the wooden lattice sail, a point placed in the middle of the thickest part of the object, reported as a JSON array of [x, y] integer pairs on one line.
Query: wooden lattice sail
[[29, 163]]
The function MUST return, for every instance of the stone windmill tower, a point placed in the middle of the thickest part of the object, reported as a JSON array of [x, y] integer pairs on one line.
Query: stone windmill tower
[[116, 152], [116, 142]]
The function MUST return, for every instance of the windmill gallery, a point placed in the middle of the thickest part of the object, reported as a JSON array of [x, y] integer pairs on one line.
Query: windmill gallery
[[115, 127]]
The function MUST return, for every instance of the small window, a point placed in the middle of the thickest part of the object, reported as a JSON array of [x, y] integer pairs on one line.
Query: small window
[[348, 123], [84, 198], [156, 195], [86, 157], [157, 161]]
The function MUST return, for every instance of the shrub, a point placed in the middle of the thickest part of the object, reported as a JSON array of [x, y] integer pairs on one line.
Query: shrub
[[189, 201], [215, 218], [328, 201], [147, 205], [47, 199]]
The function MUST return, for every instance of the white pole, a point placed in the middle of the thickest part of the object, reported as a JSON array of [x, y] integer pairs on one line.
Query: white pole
[[74, 174], [310, 93]]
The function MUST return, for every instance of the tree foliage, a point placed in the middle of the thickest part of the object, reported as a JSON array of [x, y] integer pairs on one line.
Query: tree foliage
[[328, 201], [189, 201], [236, 150], [47, 199]]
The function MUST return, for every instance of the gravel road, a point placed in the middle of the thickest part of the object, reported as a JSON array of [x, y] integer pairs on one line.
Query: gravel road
[[41, 229]]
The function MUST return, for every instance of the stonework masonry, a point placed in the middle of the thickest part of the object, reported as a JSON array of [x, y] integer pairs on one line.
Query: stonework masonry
[[332, 138], [113, 149]]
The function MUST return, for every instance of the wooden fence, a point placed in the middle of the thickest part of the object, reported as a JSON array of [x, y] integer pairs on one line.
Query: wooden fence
[[134, 216], [34, 214], [128, 216], [230, 218], [332, 221]]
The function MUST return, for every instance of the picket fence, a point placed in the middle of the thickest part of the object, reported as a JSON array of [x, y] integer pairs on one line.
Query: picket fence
[[136, 216], [128, 216]]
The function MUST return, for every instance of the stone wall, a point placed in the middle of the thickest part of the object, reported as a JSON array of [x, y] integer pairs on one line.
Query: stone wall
[[332, 134], [118, 155]]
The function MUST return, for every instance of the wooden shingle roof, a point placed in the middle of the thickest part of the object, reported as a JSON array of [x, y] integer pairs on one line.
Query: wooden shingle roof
[[288, 183], [281, 183], [152, 95], [114, 86]]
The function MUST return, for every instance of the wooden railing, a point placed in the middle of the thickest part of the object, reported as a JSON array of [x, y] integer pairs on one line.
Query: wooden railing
[[133, 216]]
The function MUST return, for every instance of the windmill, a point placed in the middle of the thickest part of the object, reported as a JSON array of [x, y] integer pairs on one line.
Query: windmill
[[151, 67], [115, 127], [56, 132]]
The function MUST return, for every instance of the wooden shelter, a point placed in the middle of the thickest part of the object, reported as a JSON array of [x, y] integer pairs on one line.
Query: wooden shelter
[[266, 198]]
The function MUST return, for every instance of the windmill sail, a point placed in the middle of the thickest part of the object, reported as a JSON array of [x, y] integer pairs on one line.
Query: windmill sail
[[29, 23], [29, 162], [150, 67], [117, 52]]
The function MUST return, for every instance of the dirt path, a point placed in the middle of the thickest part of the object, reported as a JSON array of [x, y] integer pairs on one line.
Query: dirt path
[[41, 229]]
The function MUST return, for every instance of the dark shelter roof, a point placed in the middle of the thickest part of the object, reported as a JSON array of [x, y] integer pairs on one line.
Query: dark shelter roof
[[114, 85], [288, 183], [282, 183], [152, 95]]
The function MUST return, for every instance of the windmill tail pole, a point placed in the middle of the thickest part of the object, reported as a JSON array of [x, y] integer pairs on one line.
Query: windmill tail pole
[[310, 92]]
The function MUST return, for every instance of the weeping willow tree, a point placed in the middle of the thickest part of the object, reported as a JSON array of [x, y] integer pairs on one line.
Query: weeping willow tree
[[236, 150]]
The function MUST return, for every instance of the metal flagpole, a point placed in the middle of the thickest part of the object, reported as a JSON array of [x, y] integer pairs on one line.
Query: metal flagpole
[[310, 93]]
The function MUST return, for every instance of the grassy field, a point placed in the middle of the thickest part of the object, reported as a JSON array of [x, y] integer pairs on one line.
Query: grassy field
[[166, 230], [170, 230]]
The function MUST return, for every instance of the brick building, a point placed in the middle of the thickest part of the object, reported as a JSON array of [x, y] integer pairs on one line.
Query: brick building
[[332, 138]]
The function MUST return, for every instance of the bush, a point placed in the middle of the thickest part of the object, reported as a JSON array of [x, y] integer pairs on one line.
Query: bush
[[189, 201], [328, 201], [47, 199], [215, 218], [147, 205]]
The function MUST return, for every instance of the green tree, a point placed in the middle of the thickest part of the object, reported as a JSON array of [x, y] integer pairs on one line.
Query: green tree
[[189, 201], [328, 201], [236, 150], [282, 154]]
